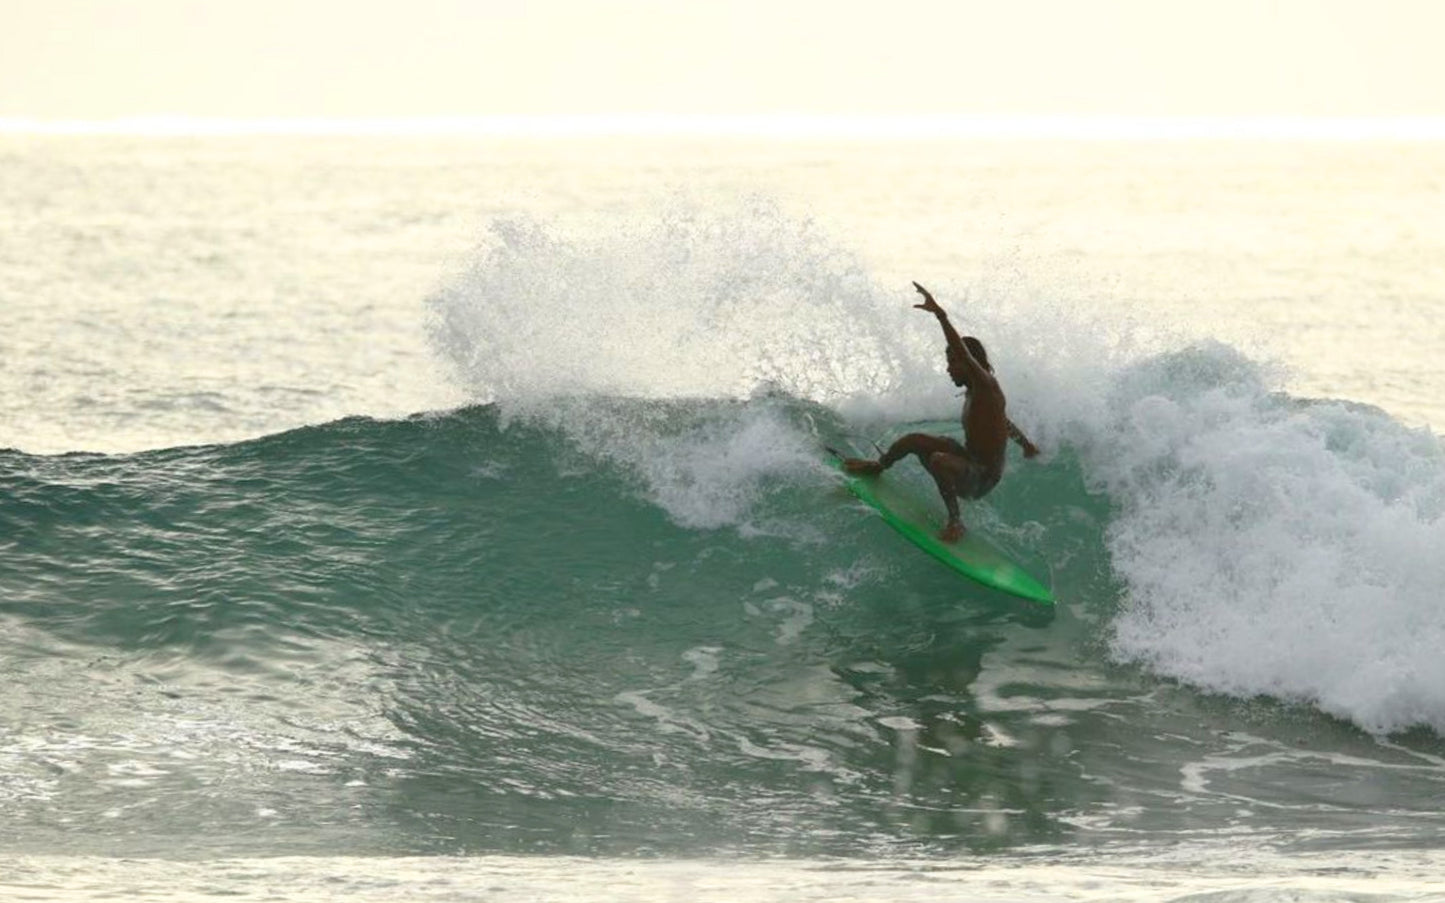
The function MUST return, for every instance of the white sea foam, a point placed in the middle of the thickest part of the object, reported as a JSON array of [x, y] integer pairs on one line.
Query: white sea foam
[[1274, 547]]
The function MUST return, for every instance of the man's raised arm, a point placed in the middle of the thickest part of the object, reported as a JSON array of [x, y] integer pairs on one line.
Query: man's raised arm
[[978, 374], [955, 344]]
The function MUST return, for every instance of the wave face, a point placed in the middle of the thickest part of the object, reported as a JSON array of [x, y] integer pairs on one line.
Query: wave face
[[443, 616]]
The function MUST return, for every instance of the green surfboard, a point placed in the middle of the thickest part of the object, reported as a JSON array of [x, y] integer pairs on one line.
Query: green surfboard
[[973, 556]]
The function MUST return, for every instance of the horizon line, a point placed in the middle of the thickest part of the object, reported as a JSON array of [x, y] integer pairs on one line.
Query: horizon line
[[770, 126]]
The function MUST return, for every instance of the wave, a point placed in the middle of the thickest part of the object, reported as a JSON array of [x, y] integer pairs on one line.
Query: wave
[[625, 575], [474, 614], [1231, 537]]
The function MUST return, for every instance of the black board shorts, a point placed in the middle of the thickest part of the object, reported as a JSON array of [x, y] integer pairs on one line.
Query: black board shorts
[[972, 480]]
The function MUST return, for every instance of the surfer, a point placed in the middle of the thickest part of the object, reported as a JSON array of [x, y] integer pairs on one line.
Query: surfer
[[972, 469]]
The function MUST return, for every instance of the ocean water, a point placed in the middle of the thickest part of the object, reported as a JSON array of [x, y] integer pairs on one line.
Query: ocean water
[[408, 519]]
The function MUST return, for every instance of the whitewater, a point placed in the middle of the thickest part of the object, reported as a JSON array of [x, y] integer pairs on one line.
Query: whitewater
[[392, 518]]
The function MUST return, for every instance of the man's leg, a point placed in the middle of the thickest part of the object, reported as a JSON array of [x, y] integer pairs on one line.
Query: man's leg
[[953, 471], [956, 475], [920, 444]]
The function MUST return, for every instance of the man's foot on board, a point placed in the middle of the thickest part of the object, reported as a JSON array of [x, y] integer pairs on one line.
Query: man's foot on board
[[862, 467], [953, 532]]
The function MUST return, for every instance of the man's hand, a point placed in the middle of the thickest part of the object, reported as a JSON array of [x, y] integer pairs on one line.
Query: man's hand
[[1017, 435], [928, 304]]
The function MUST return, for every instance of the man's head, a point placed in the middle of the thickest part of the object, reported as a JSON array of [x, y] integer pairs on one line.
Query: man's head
[[958, 369]]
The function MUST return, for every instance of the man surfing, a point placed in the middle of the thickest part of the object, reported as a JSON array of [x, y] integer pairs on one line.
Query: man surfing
[[972, 469]]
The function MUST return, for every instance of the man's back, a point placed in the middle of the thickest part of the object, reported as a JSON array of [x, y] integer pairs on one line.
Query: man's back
[[985, 424]]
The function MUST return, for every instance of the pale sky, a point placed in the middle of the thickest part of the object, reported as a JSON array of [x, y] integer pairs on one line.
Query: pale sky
[[104, 59]]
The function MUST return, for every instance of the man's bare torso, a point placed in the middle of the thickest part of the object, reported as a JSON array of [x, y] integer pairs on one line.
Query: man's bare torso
[[985, 425]]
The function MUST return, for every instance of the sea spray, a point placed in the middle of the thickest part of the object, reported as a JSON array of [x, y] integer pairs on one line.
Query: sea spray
[[680, 304], [553, 323], [1271, 545]]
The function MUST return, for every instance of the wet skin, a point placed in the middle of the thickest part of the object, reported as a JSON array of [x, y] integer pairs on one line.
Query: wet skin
[[972, 469]]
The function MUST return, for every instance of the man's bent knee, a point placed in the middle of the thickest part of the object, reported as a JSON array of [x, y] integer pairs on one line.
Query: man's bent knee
[[920, 444]]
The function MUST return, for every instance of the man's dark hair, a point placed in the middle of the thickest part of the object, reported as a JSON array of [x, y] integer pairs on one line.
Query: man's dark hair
[[975, 348]]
